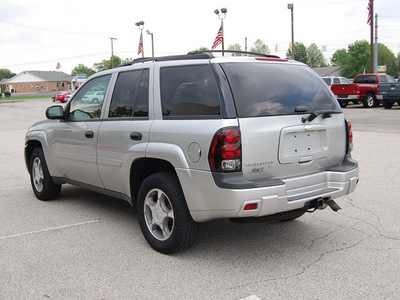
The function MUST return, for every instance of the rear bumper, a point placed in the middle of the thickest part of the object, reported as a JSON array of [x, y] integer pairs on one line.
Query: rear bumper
[[347, 97], [206, 200]]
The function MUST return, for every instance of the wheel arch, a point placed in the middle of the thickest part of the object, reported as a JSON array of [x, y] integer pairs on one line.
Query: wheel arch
[[144, 167], [30, 145]]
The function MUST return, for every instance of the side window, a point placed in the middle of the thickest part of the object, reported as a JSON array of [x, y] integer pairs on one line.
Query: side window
[[189, 91], [88, 100], [131, 95], [383, 78], [345, 81], [336, 80]]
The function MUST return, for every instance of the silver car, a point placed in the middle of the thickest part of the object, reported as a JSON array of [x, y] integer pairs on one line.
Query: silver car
[[191, 138]]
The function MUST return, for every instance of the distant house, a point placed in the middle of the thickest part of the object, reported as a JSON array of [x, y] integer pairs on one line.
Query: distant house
[[41, 81], [329, 71]]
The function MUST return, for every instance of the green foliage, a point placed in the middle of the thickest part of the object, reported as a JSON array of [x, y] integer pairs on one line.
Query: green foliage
[[388, 59], [82, 69], [359, 59], [235, 47], [107, 64], [6, 73], [339, 58], [7, 94], [315, 57], [300, 52], [260, 47]]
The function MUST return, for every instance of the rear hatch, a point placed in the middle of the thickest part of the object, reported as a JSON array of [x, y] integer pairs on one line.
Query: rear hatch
[[290, 123]]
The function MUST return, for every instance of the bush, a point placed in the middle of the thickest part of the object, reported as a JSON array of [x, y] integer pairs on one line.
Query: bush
[[7, 94]]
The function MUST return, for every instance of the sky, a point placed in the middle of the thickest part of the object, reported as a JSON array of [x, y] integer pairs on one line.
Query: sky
[[36, 35]]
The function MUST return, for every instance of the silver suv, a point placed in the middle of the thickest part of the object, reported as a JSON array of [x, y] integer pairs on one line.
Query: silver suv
[[191, 138]]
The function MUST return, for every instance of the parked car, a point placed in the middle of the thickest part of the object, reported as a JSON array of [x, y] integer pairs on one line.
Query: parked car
[[69, 96], [389, 94], [192, 138], [61, 97], [363, 89], [55, 95], [93, 96], [329, 80]]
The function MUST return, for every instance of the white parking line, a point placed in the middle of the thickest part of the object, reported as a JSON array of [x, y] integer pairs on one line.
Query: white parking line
[[47, 230], [15, 188]]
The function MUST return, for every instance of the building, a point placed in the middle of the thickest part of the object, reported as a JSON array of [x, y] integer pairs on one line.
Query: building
[[41, 81]]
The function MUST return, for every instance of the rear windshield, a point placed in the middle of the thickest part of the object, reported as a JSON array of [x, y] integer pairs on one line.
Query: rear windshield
[[265, 89], [366, 79]]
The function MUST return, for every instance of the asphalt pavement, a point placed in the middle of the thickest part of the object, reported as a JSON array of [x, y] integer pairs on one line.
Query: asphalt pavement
[[88, 246]]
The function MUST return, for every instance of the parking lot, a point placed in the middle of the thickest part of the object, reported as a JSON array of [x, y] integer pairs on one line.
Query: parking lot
[[89, 246]]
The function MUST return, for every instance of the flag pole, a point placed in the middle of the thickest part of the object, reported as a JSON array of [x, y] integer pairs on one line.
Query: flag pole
[[372, 36]]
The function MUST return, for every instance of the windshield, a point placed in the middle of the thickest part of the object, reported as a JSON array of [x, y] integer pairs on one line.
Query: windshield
[[265, 89]]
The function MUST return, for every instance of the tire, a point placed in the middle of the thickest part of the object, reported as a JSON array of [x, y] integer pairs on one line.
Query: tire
[[163, 215], [343, 104], [387, 104], [95, 100], [42, 184], [369, 100]]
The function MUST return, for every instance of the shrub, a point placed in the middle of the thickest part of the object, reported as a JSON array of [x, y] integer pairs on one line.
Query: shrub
[[7, 94]]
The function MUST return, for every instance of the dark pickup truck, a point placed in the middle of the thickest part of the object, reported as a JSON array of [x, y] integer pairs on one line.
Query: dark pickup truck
[[389, 94], [363, 89]]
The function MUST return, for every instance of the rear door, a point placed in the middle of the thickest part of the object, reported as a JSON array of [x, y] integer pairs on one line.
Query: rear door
[[271, 100]]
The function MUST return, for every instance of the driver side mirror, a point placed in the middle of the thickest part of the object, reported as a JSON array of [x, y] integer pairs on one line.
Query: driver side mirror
[[55, 112]]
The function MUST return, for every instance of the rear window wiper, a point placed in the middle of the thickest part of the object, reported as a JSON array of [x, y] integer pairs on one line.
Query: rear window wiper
[[327, 113]]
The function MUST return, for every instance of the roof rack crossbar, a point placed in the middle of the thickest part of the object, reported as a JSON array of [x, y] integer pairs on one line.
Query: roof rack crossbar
[[233, 51]]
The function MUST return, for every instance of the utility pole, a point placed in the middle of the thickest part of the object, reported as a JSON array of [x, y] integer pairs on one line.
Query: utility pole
[[372, 34], [290, 6], [112, 51], [376, 45]]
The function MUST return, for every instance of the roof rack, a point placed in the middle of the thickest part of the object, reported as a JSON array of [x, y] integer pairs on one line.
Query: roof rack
[[199, 55], [233, 51]]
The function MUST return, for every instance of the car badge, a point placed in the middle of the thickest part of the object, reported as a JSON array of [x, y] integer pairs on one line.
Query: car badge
[[307, 127]]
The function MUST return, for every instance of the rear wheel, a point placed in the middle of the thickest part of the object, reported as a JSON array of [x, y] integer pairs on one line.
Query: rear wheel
[[387, 104], [369, 100], [343, 104], [163, 215], [41, 181]]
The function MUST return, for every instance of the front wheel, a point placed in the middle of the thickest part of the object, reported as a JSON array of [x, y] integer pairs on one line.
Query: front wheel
[[41, 181], [163, 215]]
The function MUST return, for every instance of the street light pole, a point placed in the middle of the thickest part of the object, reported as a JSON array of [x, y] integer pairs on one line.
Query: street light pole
[[141, 25], [152, 42], [290, 6], [222, 16]]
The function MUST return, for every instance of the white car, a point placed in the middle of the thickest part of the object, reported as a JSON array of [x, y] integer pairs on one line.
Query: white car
[[329, 80], [93, 97]]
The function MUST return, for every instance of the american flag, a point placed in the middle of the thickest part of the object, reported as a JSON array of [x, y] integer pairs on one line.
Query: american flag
[[58, 66], [140, 49], [370, 3], [218, 39]]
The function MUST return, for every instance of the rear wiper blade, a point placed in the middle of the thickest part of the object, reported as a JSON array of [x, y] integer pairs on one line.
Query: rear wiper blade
[[325, 114]]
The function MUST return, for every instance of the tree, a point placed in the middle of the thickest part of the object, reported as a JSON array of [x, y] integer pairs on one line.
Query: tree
[[82, 69], [359, 59], [388, 59], [107, 64], [315, 57], [235, 47], [6, 73], [260, 47], [300, 52], [339, 58]]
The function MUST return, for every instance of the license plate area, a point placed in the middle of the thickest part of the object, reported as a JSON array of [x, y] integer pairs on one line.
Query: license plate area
[[303, 143]]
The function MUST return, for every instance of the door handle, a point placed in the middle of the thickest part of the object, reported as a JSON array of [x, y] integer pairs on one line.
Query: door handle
[[136, 136], [89, 134]]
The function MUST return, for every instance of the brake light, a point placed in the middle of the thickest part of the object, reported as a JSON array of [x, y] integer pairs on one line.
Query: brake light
[[271, 59], [225, 151], [349, 137]]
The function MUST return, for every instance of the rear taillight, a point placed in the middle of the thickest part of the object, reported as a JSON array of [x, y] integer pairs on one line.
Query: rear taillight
[[225, 151], [349, 136]]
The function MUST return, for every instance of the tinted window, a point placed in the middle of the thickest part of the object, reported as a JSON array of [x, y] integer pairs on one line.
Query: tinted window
[[88, 100], [131, 95], [383, 78], [189, 91], [264, 89], [336, 81], [327, 81], [366, 79]]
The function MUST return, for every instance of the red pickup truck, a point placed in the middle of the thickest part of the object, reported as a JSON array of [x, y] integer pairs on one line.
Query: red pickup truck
[[363, 89]]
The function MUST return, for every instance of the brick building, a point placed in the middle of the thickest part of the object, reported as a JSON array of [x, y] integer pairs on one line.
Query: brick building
[[41, 81]]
